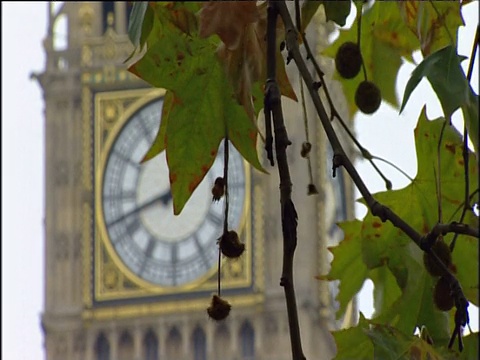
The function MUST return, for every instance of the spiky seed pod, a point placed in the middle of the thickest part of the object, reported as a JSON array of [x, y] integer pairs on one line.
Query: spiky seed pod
[[442, 295], [348, 60], [443, 252], [230, 245], [368, 97], [219, 308], [306, 147], [218, 189]]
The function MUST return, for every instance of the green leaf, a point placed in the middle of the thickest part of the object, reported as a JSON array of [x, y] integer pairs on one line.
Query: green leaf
[[471, 117], [159, 143], [200, 107], [471, 346], [465, 258], [386, 290], [136, 21], [445, 74], [309, 9], [347, 266], [403, 288], [147, 27], [353, 343], [337, 11], [391, 344], [385, 39], [434, 23]]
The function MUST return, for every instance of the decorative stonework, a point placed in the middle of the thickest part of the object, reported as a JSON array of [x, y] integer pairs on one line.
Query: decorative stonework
[[61, 246], [61, 173], [86, 17], [77, 245], [79, 342], [86, 56], [61, 347]]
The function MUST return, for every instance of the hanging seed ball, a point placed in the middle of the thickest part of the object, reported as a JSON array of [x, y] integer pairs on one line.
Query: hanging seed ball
[[218, 189], [219, 308], [368, 97], [348, 60], [230, 245], [306, 147], [442, 295], [443, 252]]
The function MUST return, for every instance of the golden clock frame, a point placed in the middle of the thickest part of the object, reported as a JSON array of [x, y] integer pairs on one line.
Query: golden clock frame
[[104, 271]]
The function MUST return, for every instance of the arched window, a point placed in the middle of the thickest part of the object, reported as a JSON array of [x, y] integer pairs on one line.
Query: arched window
[[247, 338], [174, 344], [125, 346], [199, 341], [102, 348], [150, 346], [108, 7]]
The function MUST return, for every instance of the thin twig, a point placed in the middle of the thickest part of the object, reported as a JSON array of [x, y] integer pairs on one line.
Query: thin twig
[[466, 203], [334, 114], [288, 212], [359, 37]]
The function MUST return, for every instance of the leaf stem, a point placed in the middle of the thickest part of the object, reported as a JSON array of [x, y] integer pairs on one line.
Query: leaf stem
[[359, 36]]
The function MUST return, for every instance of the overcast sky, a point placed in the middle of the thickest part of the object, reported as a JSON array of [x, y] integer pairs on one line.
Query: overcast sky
[[23, 29]]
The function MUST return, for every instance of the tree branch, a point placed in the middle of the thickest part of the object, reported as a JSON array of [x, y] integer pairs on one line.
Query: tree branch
[[340, 159], [288, 212], [454, 227]]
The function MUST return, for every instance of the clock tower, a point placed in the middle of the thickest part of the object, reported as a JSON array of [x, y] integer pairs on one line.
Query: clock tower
[[124, 277]]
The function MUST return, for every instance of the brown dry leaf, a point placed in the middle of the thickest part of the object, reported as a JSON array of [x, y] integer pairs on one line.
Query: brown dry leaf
[[227, 19], [244, 49]]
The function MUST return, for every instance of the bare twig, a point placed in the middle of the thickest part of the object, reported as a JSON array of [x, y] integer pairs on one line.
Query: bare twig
[[466, 204], [334, 113], [454, 227], [288, 212]]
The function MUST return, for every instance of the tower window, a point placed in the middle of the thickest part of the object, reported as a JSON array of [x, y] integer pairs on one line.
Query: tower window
[[174, 344], [199, 344], [129, 11], [247, 336], [125, 346], [108, 7], [150, 344], [102, 348]]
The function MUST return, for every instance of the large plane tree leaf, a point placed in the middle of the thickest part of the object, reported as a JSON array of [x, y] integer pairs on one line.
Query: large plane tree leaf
[[353, 343], [385, 39], [242, 26], [445, 74], [384, 244], [434, 23], [198, 109], [336, 11], [403, 288], [391, 344], [347, 265]]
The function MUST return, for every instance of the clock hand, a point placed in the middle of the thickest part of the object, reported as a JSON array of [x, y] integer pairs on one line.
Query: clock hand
[[164, 198]]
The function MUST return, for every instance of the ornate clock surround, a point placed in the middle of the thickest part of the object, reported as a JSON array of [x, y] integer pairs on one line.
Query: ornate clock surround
[[109, 288]]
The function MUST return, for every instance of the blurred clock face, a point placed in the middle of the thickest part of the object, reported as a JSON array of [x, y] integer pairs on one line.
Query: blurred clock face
[[154, 244]]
